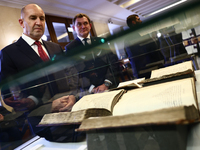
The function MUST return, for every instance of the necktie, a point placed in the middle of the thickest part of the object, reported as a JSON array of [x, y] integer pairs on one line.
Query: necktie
[[88, 53], [85, 40], [41, 52]]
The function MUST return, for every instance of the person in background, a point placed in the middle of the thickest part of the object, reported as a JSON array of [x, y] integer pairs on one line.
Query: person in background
[[133, 20], [99, 64], [141, 50]]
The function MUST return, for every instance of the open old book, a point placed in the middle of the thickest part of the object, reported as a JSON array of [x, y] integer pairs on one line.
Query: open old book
[[178, 71], [161, 103], [100, 104], [169, 102]]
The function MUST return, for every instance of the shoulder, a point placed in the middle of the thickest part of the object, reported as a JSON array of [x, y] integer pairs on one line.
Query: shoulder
[[72, 43], [12, 47], [51, 43], [76, 42]]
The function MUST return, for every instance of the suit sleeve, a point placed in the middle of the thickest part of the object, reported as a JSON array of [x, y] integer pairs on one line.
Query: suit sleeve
[[112, 73], [7, 67]]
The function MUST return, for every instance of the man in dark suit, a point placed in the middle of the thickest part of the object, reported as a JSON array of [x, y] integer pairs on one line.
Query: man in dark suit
[[30, 51], [29, 97], [97, 66]]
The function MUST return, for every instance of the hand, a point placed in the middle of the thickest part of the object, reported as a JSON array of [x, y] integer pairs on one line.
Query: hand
[[24, 103], [70, 103], [11, 102], [64, 103], [59, 103], [1, 117], [100, 88]]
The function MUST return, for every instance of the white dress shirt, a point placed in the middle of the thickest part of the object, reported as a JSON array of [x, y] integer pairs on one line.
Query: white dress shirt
[[31, 42]]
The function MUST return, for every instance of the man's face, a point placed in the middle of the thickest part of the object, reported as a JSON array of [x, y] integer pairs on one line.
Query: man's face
[[33, 22], [137, 20], [82, 27]]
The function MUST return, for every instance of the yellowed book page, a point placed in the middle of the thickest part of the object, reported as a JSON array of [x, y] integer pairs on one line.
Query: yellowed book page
[[126, 83], [99, 100], [159, 96], [172, 69]]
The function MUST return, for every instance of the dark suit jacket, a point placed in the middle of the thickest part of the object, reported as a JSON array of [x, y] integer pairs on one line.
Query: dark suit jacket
[[102, 58], [142, 53], [19, 56]]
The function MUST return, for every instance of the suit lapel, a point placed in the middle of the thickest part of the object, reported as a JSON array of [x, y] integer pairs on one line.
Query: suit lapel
[[78, 42], [50, 50], [96, 51], [28, 51]]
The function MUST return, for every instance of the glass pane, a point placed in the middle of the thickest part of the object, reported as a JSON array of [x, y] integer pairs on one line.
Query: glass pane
[[70, 29], [61, 32], [34, 92], [46, 35], [74, 33]]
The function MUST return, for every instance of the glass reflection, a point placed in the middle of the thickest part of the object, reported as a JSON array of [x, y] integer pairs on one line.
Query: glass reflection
[[153, 45], [46, 35], [72, 30], [61, 32]]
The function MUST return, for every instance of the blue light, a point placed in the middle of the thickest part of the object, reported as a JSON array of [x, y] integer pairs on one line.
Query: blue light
[[102, 41], [53, 58]]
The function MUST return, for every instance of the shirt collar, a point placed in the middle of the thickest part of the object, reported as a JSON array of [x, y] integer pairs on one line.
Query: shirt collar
[[29, 40], [81, 38]]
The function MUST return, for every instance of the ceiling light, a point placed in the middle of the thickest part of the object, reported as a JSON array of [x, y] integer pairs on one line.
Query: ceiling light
[[159, 34], [165, 8], [127, 4]]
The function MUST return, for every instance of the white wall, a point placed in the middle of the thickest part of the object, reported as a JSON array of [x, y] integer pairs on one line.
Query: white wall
[[10, 29]]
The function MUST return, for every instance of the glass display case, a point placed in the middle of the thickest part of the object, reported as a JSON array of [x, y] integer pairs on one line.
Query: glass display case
[[163, 41]]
